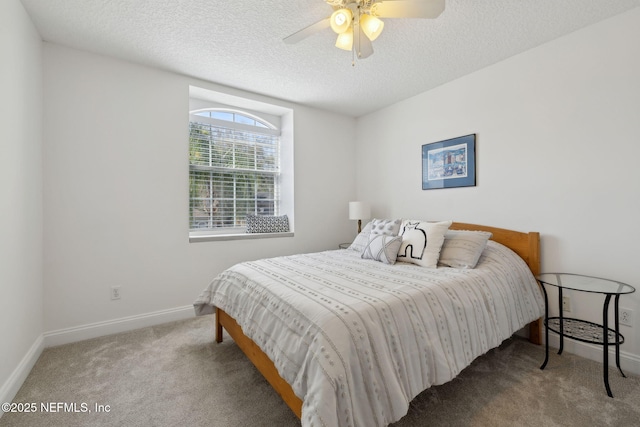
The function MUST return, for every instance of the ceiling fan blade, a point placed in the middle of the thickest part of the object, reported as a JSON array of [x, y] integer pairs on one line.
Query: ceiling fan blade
[[362, 45], [307, 31], [408, 8]]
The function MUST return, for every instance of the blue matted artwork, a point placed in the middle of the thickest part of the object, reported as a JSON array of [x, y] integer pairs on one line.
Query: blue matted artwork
[[449, 163]]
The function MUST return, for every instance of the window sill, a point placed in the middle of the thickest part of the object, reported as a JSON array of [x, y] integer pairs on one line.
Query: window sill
[[243, 236]]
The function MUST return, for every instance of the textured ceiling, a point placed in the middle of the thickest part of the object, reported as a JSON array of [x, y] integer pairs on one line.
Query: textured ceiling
[[239, 43]]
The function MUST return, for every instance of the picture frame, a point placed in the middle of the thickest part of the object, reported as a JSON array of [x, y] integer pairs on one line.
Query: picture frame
[[449, 163]]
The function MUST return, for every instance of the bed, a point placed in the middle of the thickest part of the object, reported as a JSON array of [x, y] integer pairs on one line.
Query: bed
[[347, 341]]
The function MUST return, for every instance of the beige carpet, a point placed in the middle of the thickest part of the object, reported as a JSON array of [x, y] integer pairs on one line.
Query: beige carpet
[[175, 375]]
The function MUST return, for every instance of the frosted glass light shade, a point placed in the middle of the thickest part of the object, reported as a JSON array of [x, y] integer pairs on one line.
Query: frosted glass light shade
[[345, 40], [371, 26], [341, 20], [359, 210]]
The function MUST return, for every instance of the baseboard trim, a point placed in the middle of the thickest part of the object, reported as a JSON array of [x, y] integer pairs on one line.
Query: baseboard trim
[[629, 362], [11, 386], [93, 330], [109, 327]]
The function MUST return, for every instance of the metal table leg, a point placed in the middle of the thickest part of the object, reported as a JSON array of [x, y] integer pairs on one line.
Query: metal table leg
[[546, 328], [605, 347], [561, 315], [617, 323]]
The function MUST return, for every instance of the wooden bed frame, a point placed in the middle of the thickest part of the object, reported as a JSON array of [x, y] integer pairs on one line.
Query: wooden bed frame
[[526, 245]]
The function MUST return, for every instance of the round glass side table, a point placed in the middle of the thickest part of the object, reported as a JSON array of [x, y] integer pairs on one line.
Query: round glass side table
[[582, 330]]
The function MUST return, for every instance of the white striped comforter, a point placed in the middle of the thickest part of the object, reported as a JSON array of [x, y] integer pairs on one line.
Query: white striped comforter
[[358, 339]]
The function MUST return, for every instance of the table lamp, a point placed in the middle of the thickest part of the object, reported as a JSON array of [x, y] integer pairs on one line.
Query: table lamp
[[359, 211]]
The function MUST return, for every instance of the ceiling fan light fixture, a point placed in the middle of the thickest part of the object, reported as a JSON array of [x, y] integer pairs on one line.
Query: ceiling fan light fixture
[[371, 26], [359, 22], [345, 40], [341, 20]]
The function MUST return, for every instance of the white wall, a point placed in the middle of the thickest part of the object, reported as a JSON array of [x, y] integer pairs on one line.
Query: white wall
[[558, 146], [116, 190], [20, 195]]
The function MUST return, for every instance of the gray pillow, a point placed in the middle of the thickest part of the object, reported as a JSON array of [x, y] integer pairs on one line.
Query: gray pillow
[[382, 248], [389, 227], [462, 249], [267, 224]]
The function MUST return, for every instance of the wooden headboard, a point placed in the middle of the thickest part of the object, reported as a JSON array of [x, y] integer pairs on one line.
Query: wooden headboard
[[526, 245]]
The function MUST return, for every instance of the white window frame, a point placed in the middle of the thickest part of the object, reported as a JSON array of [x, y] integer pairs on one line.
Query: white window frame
[[273, 117]]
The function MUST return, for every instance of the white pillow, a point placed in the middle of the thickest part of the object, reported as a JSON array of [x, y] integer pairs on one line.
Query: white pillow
[[382, 248], [362, 239], [422, 241], [462, 249]]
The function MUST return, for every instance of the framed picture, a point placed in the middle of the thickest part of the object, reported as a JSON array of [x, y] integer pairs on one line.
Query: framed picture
[[449, 163]]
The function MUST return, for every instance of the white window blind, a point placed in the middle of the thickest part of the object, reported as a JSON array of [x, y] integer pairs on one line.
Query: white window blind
[[234, 170]]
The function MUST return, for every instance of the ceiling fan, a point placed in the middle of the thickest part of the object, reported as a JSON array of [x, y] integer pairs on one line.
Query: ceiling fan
[[357, 22]]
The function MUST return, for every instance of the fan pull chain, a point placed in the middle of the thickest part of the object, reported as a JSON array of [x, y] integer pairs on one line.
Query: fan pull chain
[[357, 33]]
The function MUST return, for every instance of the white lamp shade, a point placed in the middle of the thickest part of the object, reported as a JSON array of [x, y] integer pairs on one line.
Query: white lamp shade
[[345, 40], [359, 210], [341, 20], [371, 26]]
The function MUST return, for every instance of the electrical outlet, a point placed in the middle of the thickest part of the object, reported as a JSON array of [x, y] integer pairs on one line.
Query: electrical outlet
[[115, 292], [626, 317], [566, 304]]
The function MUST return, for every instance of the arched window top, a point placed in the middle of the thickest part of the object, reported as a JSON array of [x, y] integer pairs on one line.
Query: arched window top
[[234, 116]]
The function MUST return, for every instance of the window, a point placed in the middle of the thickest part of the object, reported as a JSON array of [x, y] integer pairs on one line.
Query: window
[[240, 162], [234, 170]]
